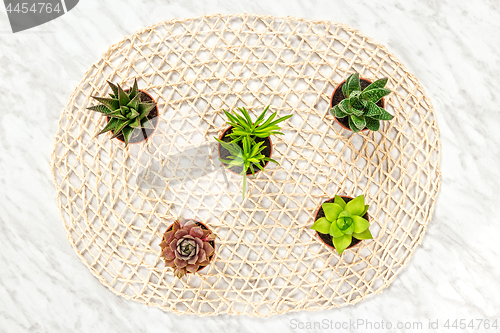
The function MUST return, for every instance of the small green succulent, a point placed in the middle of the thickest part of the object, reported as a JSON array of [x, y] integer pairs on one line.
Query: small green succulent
[[126, 111], [343, 221], [247, 157], [243, 148], [243, 125], [360, 106]]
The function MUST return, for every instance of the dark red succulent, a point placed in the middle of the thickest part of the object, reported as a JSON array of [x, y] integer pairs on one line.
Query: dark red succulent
[[186, 247]]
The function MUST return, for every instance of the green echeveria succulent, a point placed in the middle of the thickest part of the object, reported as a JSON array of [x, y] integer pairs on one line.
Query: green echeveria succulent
[[361, 106], [126, 111], [343, 221]]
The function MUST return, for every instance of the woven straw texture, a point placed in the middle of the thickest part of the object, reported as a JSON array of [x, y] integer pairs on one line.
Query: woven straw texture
[[116, 202]]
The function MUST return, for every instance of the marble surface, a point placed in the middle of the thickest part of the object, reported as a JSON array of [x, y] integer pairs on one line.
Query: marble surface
[[451, 46]]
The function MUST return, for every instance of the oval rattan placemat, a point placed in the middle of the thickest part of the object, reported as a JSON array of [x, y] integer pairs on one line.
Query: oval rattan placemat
[[267, 259]]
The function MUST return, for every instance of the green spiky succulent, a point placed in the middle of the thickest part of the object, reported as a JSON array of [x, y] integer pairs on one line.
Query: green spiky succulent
[[247, 157], [361, 106], [344, 221], [126, 111]]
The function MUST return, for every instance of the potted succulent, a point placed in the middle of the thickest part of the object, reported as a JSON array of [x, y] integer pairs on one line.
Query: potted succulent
[[358, 104], [245, 147], [132, 114], [187, 246], [342, 222]]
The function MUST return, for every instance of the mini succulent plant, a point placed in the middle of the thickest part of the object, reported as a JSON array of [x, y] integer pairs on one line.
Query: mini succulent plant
[[360, 106], [186, 246], [244, 150], [248, 156], [343, 221], [126, 111]]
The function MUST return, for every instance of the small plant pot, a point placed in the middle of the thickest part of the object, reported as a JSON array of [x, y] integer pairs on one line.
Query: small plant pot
[[204, 227], [327, 238], [144, 133], [338, 96], [224, 153]]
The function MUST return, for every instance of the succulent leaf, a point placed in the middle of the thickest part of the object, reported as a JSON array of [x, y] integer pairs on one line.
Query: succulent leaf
[[112, 104], [322, 225], [100, 108], [377, 84], [372, 124], [331, 210], [363, 235], [134, 91], [341, 243], [339, 201], [123, 98], [373, 110], [359, 122], [351, 84], [384, 116], [375, 95], [360, 224], [356, 206], [113, 87], [110, 126]]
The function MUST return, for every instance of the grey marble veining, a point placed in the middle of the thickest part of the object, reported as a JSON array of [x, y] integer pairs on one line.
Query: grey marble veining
[[451, 46]]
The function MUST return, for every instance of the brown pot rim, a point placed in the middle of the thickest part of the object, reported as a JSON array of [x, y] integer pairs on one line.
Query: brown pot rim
[[213, 242], [156, 126], [317, 232], [250, 174], [331, 104]]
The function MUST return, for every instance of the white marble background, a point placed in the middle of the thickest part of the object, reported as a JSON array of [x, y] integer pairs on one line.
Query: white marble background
[[452, 46]]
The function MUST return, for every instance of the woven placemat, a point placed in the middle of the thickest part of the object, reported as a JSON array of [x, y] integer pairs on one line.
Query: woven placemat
[[116, 202]]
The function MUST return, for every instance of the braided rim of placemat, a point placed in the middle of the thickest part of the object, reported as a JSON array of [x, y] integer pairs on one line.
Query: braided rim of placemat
[[267, 259]]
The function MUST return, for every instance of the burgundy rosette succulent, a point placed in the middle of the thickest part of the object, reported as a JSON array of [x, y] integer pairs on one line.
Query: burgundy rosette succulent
[[186, 247]]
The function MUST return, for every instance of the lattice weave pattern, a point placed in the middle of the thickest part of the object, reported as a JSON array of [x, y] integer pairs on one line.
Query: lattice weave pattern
[[267, 259]]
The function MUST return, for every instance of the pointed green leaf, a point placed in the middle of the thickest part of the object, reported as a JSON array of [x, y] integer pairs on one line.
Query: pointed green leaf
[[127, 132], [375, 95], [119, 127], [339, 201], [351, 84], [363, 235], [134, 102], [337, 112], [322, 225], [113, 87], [377, 84], [117, 114], [110, 126], [134, 92], [360, 224], [100, 108], [384, 115], [372, 124], [342, 243], [356, 206], [352, 126], [366, 210], [345, 106], [112, 104], [145, 108], [373, 110], [331, 210], [359, 122], [123, 98], [135, 123]]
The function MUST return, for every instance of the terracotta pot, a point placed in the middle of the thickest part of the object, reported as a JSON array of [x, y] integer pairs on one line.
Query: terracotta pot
[[249, 173], [203, 226], [327, 239], [146, 132], [338, 90]]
